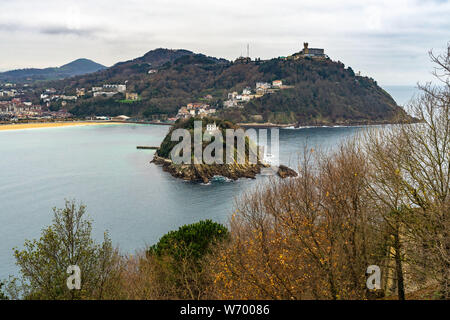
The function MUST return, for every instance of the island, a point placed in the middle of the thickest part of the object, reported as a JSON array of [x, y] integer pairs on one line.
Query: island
[[198, 171]]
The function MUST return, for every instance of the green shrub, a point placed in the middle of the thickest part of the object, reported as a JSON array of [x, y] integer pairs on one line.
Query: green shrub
[[193, 240]]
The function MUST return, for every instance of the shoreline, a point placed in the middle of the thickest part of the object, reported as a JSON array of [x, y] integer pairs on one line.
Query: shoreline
[[40, 125], [318, 125], [60, 124], [264, 125]]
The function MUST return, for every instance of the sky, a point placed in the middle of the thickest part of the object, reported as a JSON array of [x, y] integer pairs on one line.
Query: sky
[[387, 40]]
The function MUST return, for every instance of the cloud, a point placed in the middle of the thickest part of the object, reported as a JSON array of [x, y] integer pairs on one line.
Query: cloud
[[6, 27], [386, 39], [63, 30]]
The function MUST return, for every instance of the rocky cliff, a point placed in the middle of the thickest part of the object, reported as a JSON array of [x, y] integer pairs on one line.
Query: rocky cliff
[[204, 173]]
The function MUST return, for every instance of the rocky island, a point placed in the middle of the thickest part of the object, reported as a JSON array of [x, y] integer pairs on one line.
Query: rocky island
[[197, 171]]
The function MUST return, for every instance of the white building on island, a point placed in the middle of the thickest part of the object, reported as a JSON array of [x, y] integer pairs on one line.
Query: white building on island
[[211, 127]]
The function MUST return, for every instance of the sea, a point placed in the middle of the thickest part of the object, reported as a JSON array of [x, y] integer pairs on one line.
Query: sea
[[125, 194]]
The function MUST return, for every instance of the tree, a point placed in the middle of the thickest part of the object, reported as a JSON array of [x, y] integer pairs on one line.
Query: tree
[[310, 237], [2, 294], [196, 238], [411, 178], [178, 259], [43, 263]]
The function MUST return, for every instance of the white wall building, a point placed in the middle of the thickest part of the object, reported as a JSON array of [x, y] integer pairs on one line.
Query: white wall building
[[247, 91], [211, 127]]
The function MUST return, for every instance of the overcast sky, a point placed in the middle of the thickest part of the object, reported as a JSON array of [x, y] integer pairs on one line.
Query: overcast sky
[[385, 39]]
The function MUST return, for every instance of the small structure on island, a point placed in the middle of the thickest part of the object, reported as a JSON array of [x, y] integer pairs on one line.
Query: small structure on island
[[211, 127]]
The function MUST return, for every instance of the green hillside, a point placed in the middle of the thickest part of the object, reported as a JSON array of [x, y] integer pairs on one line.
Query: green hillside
[[323, 91]]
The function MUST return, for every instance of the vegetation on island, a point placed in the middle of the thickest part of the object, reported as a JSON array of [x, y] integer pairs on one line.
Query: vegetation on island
[[380, 199], [188, 124], [246, 161]]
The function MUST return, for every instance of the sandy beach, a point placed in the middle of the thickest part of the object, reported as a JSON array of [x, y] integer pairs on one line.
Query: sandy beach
[[37, 125]]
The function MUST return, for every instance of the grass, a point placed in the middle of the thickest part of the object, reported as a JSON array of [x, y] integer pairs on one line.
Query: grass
[[129, 101]]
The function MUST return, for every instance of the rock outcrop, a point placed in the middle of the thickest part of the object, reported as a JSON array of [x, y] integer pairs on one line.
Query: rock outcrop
[[204, 172], [286, 172]]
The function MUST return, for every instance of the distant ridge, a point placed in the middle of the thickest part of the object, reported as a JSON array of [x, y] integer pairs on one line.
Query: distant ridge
[[74, 68]]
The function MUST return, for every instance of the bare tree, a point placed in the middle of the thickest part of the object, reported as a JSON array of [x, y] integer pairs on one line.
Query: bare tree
[[410, 181], [310, 237]]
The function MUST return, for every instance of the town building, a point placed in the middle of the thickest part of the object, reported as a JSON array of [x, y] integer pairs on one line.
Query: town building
[[195, 109], [262, 85], [277, 83], [101, 118], [81, 92], [17, 108], [230, 103], [309, 52], [261, 88], [115, 87], [68, 98], [131, 96], [121, 118], [243, 60], [312, 52], [109, 90], [105, 94]]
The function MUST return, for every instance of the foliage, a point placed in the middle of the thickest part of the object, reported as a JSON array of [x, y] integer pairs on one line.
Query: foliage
[[43, 263], [188, 124], [2, 294], [324, 91], [308, 237], [177, 259], [382, 198], [411, 177], [195, 238]]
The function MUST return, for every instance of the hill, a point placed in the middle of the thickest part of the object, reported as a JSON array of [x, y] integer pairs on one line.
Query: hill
[[321, 91], [74, 68]]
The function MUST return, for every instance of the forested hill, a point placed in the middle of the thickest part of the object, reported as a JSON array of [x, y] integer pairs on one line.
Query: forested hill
[[323, 91]]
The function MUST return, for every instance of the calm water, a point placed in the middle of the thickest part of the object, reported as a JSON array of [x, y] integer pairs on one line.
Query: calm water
[[134, 200]]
